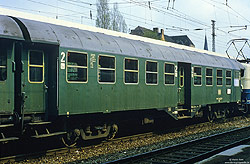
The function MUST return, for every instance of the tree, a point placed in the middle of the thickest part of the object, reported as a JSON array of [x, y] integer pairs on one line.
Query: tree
[[103, 14], [110, 19], [118, 23]]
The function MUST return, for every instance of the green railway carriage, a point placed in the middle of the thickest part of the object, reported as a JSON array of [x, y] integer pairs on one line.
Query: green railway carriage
[[85, 80]]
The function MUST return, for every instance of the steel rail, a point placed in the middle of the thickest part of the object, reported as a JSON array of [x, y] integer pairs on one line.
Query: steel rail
[[192, 151]]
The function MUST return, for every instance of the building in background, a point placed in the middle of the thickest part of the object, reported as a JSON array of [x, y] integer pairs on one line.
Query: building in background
[[155, 34]]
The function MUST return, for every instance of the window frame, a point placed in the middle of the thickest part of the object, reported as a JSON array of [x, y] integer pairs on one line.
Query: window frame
[[164, 79], [153, 61], [33, 65], [98, 69], [229, 77], [219, 77], [197, 75], [124, 71], [84, 67], [209, 76]]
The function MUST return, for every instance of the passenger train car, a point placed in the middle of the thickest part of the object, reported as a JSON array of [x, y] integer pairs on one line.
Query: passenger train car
[[58, 78]]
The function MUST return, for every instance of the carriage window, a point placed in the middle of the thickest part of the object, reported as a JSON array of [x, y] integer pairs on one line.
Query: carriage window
[[228, 78], [209, 76], [77, 68], [219, 77], [3, 65], [151, 72], [197, 76], [106, 69], [169, 73], [36, 66], [131, 71]]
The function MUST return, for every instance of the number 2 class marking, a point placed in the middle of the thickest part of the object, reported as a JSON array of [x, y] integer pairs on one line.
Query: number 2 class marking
[[63, 57]]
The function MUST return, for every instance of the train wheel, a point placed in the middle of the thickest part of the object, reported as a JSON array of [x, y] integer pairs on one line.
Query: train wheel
[[113, 131], [71, 138], [245, 109], [211, 116]]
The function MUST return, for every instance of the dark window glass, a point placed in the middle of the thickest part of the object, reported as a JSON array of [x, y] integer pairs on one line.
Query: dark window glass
[[77, 69], [36, 66], [3, 65], [209, 76], [169, 73], [131, 71], [181, 70], [169, 79], [219, 73], [197, 71], [228, 81], [197, 76], [131, 64], [209, 81], [77, 59], [151, 72], [131, 77], [36, 74], [228, 78], [151, 78], [219, 81], [106, 69], [106, 62], [197, 80], [182, 81], [228, 74], [107, 76], [169, 68], [36, 58], [219, 77], [209, 72], [151, 66]]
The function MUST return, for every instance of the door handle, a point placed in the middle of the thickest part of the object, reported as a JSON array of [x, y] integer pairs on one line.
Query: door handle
[[13, 66], [45, 86]]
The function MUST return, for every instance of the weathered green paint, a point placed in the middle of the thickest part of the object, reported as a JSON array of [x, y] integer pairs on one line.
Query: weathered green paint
[[7, 86], [181, 85], [93, 97], [203, 94], [35, 92]]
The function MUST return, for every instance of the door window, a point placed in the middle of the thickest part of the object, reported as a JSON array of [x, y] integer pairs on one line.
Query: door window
[[3, 65], [36, 66], [181, 76]]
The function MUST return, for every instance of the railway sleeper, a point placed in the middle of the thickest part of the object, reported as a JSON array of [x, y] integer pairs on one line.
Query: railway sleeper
[[169, 159], [187, 153], [173, 155], [5, 137]]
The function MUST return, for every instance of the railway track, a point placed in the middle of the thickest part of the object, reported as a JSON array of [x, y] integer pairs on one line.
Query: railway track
[[193, 151], [62, 151], [65, 150]]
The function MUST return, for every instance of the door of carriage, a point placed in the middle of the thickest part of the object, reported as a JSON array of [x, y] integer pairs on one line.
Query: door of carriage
[[31, 80], [184, 84]]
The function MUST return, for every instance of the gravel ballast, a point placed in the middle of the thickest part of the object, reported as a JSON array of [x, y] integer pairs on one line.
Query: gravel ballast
[[115, 150]]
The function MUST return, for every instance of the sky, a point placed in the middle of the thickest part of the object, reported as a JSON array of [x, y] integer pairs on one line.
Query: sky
[[176, 17]]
